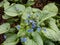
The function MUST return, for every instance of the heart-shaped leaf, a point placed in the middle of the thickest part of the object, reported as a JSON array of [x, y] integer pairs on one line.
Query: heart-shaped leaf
[[49, 10], [14, 10]]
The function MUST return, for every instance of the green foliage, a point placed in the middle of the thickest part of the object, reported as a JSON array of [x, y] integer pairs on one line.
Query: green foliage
[[11, 40], [30, 42], [49, 10], [49, 43], [1, 4], [28, 25], [37, 38], [29, 3], [4, 28], [6, 4], [51, 34], [14, 10], [52, 24]]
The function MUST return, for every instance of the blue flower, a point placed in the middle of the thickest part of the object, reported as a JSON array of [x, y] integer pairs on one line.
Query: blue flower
[[44, 29], [17, 9], [27, 22], [23, 39], [38, 29], [18, 27], [31, 30], [33, 25], [28, 16], [31, 21]]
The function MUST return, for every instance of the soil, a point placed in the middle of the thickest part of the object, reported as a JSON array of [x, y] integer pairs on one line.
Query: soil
[[1, 0], [1, 38], [38, 4], [41, 3], [1, 21], [1, 13]]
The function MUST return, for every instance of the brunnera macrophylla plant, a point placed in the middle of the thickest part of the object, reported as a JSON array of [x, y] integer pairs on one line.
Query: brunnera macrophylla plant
[[37, 27]]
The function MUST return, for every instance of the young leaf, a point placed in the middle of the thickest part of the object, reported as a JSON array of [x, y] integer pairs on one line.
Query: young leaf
[[27, 13], [4, 28], [37, 38], [21, 33]]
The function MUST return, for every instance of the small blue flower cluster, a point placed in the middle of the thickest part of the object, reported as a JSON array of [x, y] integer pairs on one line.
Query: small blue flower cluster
[[30, 31], [33, 27], [38, 29], [33, 23]]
